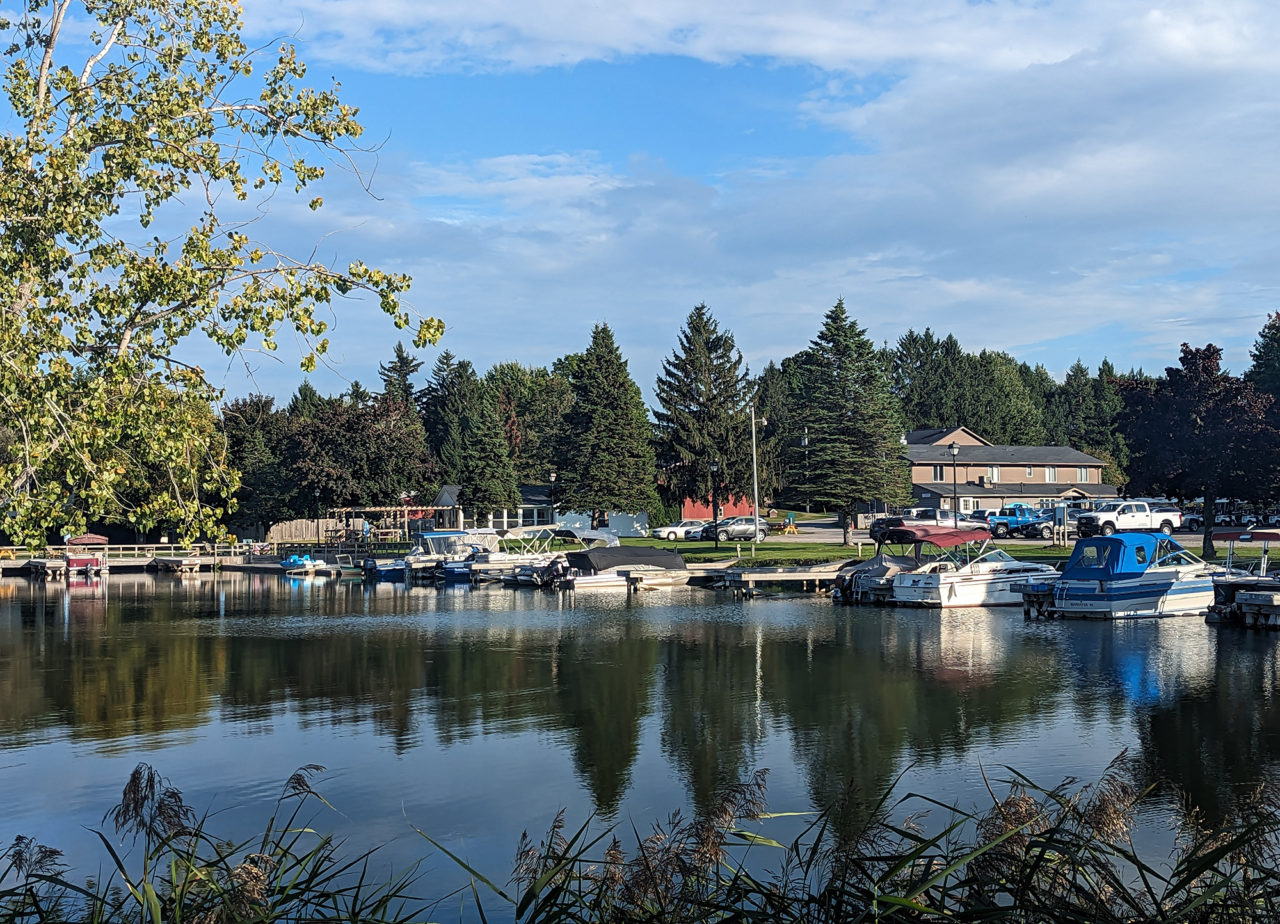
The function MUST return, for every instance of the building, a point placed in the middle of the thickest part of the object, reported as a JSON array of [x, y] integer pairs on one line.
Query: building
[[536, 509], [988, 476]]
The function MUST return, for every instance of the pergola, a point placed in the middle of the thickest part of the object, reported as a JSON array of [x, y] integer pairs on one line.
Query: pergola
[[399, 514]]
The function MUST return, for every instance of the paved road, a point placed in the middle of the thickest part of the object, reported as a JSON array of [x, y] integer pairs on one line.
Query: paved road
[[828, 530]]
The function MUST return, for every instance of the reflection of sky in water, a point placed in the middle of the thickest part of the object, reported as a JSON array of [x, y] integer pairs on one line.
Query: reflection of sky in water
[[476, 715]]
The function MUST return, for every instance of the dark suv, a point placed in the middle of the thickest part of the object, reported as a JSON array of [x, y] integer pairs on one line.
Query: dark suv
[[736, 528]]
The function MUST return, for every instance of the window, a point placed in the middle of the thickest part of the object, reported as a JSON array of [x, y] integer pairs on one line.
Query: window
[[1030, 471], [939, 473], [966, 504], [1082, 475], [993, 473], [1051, 473], [1140, 554]]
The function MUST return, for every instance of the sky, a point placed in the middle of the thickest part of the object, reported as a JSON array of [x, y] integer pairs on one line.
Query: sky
[[1060, 180]]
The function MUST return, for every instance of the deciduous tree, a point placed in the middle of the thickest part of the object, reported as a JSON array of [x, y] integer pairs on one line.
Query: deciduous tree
[[1200, 432], [139, 139]]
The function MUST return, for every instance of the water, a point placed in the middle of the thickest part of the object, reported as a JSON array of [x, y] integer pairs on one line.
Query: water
[[476, 715]]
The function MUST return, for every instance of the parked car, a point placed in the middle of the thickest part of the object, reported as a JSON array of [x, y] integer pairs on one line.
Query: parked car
[[880, 525], [1011, 519], [932, 516], [983, 513], [1115, 516], [736, 528], [1042, 527], [679, 530]]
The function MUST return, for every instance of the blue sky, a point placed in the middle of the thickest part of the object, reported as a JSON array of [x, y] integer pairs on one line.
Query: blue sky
[[1058, 180]]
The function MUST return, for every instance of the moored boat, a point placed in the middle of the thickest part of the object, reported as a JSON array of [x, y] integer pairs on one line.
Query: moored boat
[[969, 570], [898, 551], [1127, 576]]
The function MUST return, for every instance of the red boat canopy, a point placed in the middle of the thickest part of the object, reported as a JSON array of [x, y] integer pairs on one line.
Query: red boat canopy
[[942, 536], [1247, 535], [88, 539]]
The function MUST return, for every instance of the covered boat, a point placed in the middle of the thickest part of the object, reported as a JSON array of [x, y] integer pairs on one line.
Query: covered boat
[[1125, 576], [969, 570], [871, 581], [608, 566]]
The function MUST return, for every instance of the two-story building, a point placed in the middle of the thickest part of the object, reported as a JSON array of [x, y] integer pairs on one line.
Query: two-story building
[[987, 476]]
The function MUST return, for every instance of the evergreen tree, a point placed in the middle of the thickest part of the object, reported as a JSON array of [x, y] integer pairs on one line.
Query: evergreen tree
[[306, 402], [256, 436], [1265, 371], [995, 402], [1103, 435], [358, 395], [1074, 406], [608, 463], [924, 377], [397, 376], [531, 404], [432, 400], [473, 451], [855, 425], [703, 414]]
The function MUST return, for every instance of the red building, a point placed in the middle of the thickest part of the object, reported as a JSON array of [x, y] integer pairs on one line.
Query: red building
[[700, 510]]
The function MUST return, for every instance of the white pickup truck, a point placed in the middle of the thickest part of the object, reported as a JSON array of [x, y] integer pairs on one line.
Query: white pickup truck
[[1114, 516]]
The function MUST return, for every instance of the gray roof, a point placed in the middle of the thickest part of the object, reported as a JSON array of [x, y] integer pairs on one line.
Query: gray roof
[[448, 496], [1016, 489], [935, 434], [535, 495], [1003, 455]]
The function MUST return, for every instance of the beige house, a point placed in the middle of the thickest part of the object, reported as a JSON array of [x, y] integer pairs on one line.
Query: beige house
[[988, 476]]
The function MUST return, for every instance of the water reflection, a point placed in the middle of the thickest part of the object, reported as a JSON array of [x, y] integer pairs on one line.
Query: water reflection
[[650, 702]]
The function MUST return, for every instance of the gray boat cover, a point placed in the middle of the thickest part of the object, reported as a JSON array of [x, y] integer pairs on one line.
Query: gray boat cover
[[594, 561]]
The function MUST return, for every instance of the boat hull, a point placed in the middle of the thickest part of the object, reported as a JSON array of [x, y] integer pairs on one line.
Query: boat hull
[[1137, 599], [963, 588]]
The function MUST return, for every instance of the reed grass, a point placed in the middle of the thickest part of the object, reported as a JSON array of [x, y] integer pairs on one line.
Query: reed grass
[[1032, 854]]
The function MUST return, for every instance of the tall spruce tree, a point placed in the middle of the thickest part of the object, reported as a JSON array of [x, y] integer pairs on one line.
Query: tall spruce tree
[[854, 421], [703, 414], [924, 377], [608, 463], [472, 449], [397, 376]]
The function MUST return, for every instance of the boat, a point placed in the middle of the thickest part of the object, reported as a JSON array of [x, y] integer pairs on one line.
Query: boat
[[968, 570], [301, 565], [898, 550], [1126, 576], [548, 567], [179, 564], [342, 566], [614, 567]]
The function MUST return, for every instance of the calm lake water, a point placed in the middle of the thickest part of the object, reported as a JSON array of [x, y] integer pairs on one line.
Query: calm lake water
[[475, 715]]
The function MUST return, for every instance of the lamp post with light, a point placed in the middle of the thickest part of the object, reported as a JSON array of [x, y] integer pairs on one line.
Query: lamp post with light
[[755, 481], [714, 466], [955, 503], [552, 492], [317, 518]]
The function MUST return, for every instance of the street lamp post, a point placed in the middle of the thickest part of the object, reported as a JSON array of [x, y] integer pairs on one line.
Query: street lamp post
[[955, 503], [317, 518], [715, 506], [804, 442], [755, 481], [553, 498]]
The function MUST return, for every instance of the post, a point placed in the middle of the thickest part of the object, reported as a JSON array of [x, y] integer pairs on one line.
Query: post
[[804, 442], [317, 519], [955, 503], [715, 519], [755, 485]]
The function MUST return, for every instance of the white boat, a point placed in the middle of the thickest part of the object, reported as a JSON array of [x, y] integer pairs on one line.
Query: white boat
[[969, 570], [898, 551], [613, 568], [302, 565], [1127, 576]]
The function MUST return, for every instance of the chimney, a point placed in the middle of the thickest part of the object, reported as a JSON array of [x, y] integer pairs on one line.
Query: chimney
[[982, 481]]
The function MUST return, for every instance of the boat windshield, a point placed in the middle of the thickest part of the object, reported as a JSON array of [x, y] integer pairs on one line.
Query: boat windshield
[[1169, 553], [964, 555]]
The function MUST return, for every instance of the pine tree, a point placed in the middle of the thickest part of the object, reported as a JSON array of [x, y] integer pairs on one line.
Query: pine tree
[[472, 448], [1265, 371], [855, 424], [703, 414], [1103, 435], [1074, 406], [531, 404], [397, 376], [608, 462], [306, 402], [996, 403]]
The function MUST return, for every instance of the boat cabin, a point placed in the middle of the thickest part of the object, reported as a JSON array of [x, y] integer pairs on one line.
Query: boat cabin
[[1124, 555]]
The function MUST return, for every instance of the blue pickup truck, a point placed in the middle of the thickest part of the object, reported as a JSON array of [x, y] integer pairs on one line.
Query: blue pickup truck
[[1011, 519]]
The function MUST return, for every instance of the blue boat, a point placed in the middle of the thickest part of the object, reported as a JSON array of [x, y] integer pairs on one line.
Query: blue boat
[[1127, 576]]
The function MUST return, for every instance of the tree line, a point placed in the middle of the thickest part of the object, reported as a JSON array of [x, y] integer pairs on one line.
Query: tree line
[[829, 425]]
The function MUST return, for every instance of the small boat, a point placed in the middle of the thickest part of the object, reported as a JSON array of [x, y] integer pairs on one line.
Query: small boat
[[969, 570], [1126, 576], [342, 566], [898, 551], [301, 565], [609, 568], [180, 564]]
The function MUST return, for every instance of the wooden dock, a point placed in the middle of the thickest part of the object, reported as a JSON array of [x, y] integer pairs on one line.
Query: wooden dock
[[745, 581]]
